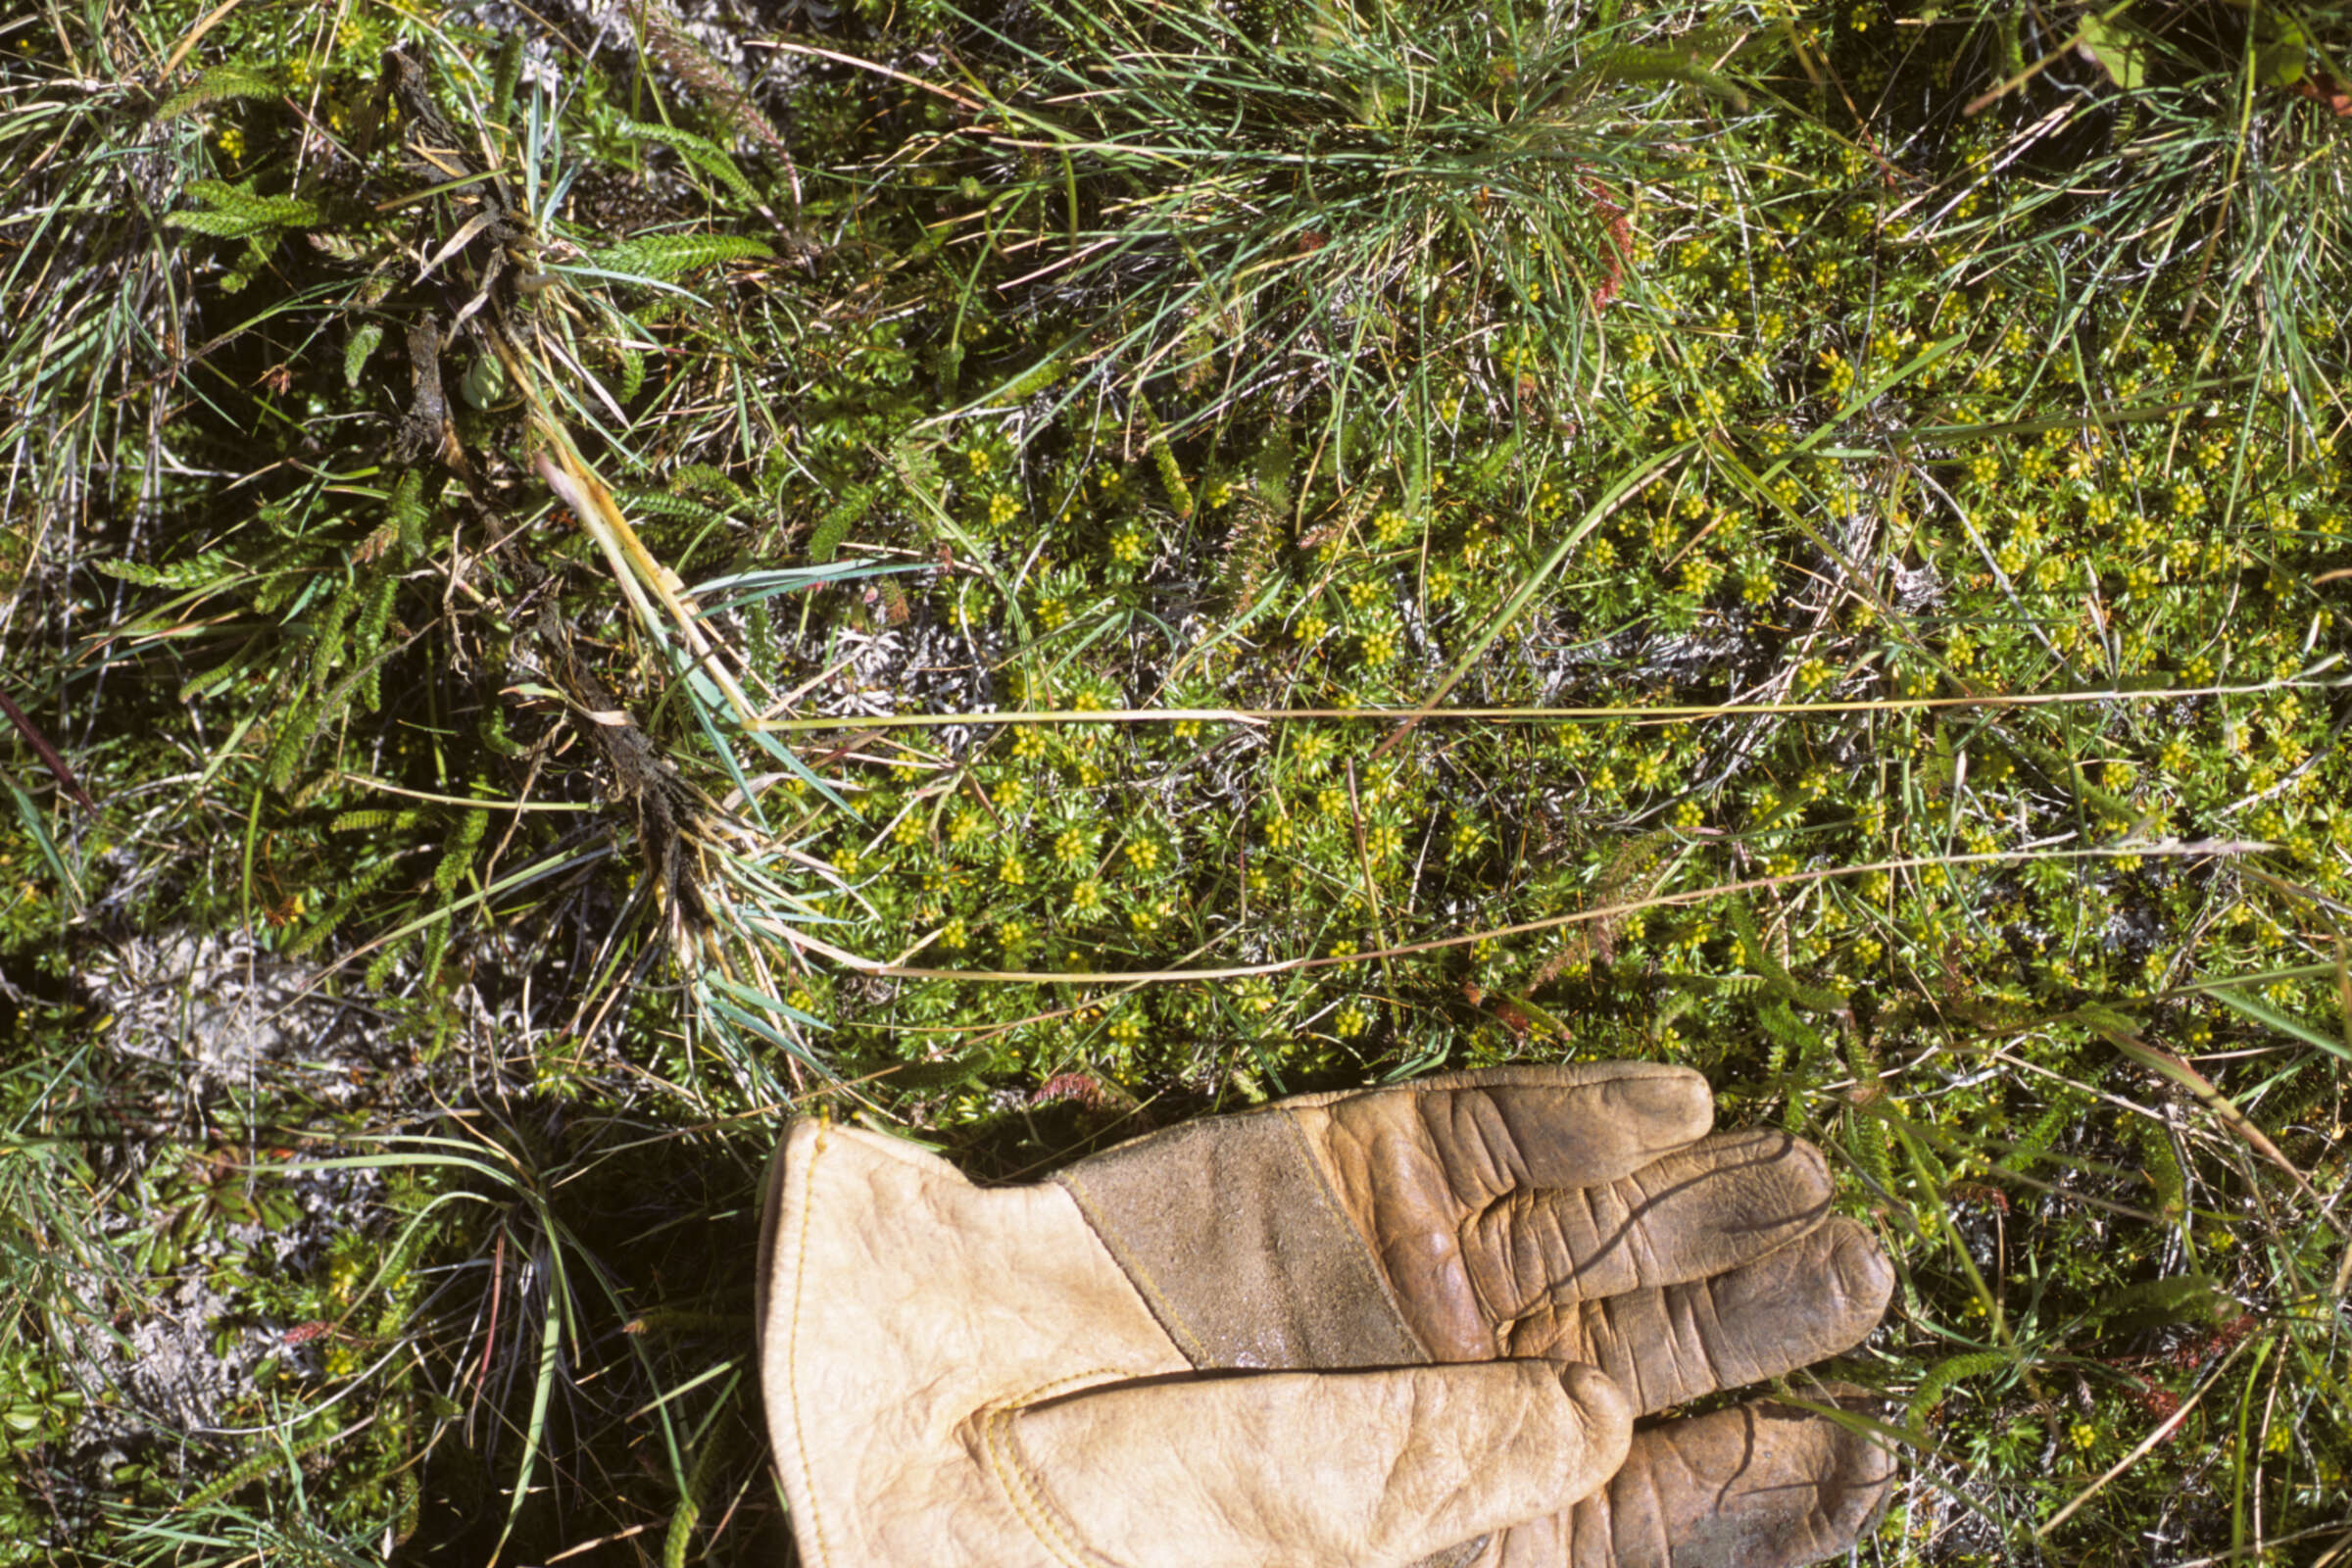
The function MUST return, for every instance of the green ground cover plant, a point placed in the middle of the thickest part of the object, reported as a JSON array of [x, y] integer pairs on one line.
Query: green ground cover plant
[[1022, 576]]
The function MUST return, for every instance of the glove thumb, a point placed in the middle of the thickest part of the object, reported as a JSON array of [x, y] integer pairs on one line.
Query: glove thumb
[[1306, 1469]]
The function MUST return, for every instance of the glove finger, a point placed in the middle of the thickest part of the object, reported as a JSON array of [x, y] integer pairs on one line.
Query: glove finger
[[1759, 1485], [1815, 1296], [1699, 1210], [1479, 1135], [1363, 1468]]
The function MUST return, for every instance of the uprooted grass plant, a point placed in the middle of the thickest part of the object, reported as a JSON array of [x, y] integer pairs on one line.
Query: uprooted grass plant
[[1024, 575]]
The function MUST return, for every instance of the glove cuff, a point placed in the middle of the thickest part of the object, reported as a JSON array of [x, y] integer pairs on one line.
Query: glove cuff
[[901, 1311]]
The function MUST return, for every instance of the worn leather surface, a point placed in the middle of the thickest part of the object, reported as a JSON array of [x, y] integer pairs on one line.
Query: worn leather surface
[[1759, 1485], [964, 1377], [1299, 1469], [1397, 1326], [905, 1308], [1233, 1235]]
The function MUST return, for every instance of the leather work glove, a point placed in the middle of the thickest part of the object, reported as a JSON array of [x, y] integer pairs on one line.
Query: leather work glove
[[1405, 1326]]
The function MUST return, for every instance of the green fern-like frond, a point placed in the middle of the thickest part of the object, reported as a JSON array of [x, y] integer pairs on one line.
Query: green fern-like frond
[[662, 257], [1776, 974], [293, 740], [221, 84], [1163, 458], [838, 519], [231, 212], [329, 640], [259, 1464], [2153, 1304], [356, 886], [667, 504], [356, 352], [699, 151], [1249, 552], [505, 71], [710, 481], [215, 569], [407, 509], [2164, 1168], [457, 859], [1275, 459], [1943, 1374], [368, 637]]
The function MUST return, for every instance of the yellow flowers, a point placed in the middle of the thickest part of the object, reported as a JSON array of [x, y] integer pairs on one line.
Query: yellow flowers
[[1840, 373]]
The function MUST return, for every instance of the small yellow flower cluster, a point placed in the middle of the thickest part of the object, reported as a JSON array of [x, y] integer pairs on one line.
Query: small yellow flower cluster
[[1840, 373]]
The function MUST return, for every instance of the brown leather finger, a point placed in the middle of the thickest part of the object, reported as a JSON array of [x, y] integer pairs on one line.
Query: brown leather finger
[[1485, 1134], [1721, 1203], [1759, 1485], [1415, 1168], [1816, 1296]]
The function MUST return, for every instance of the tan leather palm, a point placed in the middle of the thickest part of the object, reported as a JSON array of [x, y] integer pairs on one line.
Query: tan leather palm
[[1405, 1326]]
